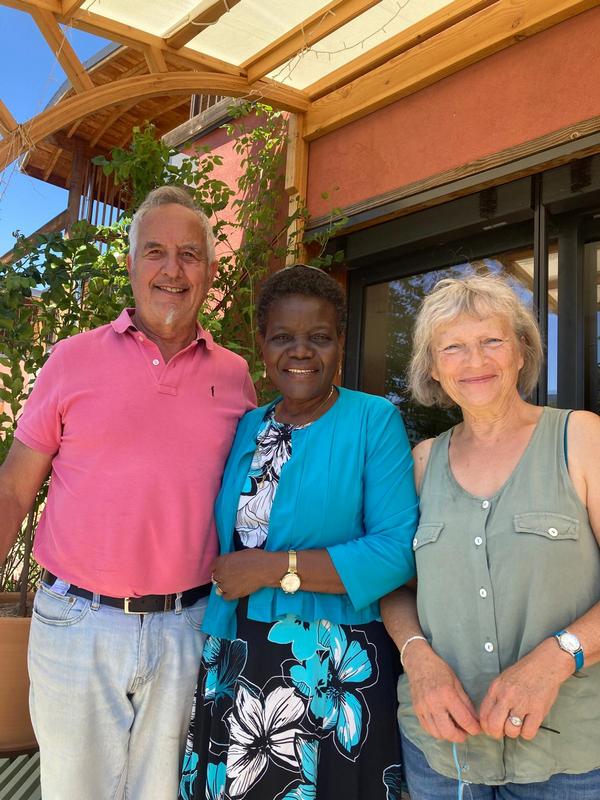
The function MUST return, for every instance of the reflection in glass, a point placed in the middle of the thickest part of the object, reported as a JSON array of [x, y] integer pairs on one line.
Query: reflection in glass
[[390, 309]]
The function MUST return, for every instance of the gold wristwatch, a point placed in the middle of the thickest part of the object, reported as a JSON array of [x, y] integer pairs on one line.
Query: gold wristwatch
[[290, 583]]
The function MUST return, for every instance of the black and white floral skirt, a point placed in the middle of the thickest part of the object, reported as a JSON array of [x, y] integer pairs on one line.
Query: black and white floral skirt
[[295, 711]]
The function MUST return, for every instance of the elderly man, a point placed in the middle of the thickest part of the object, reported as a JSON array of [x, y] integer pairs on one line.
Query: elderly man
[[135, 420]]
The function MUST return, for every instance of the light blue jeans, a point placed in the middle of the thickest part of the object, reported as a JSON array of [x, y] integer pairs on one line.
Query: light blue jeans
[[111, 695], [424, 783]]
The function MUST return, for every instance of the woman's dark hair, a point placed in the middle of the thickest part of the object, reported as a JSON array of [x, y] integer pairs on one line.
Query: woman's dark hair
[[306, 281]]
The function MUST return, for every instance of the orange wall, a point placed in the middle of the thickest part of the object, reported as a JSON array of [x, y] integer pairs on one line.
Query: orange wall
[[221, 144], [537, 86]]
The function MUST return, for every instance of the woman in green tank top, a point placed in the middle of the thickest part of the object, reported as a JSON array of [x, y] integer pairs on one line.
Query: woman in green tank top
[[500, 642]]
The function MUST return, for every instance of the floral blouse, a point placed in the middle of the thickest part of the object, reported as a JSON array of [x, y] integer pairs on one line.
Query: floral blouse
[[273, 450]]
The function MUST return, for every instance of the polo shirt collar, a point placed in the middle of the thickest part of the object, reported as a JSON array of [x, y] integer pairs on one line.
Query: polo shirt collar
[[124, 323]]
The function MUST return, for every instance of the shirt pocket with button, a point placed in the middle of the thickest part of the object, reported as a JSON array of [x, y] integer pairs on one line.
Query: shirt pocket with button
[[427, 533], [549, 524]]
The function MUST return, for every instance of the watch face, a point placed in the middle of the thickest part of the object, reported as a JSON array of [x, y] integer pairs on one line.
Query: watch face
[[290, 582], [569, 642]]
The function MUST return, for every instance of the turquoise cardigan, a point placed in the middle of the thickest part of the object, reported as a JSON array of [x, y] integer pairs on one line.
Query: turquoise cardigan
[[349, 488]]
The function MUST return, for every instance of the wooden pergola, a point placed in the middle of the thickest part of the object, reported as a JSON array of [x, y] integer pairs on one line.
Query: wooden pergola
[[329, 63]]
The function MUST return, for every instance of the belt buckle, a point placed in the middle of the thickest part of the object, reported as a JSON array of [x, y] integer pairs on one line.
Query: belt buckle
[[168, 605], [126, 607]]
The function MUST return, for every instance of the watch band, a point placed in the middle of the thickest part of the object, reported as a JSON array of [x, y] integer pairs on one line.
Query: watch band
[[292, 562], [577, 654]]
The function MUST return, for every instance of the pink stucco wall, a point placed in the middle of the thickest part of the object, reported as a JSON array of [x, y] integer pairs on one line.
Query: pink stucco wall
[[530, 89]]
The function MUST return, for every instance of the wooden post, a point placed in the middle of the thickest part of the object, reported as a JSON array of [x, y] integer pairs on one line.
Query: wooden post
[[296, 175], [78, 162]]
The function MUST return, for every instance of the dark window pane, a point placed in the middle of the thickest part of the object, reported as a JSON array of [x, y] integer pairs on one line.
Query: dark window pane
[[390, 309]]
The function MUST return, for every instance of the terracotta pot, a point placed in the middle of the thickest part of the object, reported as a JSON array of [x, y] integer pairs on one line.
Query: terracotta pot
[[16, 733]]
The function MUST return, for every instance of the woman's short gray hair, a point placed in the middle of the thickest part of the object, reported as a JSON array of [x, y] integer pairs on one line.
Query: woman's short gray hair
[[477, 296], [171, 195]]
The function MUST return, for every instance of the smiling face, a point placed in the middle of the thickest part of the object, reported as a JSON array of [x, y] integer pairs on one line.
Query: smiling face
[[301, 347], [477, 361], [170, 273]]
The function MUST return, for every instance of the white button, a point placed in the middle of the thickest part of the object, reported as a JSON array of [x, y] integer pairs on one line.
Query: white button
[[415, 542], [552, 531], [485, 504], [478, 540], [156, 362], [489, 647], [482, 593]]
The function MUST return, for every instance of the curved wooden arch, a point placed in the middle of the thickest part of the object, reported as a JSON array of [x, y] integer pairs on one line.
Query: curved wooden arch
[[142, 87]]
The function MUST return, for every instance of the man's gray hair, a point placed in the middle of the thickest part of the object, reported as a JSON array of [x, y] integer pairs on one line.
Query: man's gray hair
[[477, 296], [171, 195]]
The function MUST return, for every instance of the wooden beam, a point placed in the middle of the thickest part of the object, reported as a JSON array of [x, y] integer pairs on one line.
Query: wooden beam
[[152, 117], [54, 6], [155, 59], [296, 179], [495, 28], [7, 122], [435, 23], [57, 223], [71, 144], [138, 39], [120, 32], [139, 88], [329, 19], [61, 47], [52, 163], [194, 23], [113, 116], [78, 164], [69, 7]]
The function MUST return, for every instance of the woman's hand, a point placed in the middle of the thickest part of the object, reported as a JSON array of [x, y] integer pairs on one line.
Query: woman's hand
[[439, 700], [245, 571], [526, 690]]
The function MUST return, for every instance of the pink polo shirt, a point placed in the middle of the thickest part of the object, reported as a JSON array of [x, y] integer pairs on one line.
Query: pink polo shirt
[[139, 449]]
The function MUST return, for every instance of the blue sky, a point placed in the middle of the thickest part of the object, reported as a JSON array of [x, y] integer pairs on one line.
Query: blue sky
[[29, 76]]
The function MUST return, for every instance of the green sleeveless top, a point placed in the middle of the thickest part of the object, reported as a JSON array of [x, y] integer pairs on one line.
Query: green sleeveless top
[[496, 576]]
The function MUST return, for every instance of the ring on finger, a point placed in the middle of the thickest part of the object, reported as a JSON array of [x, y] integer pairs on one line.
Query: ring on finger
[[515, 720]]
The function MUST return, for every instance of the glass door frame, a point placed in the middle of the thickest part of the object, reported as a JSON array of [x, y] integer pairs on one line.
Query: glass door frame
[[388, 269], [562, 203]]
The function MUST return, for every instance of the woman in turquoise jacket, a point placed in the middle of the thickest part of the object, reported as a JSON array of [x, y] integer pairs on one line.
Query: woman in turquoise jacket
[[316, 517]]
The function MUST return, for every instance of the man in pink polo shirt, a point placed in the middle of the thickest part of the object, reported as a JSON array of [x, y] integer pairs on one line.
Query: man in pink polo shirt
[[134, 420]]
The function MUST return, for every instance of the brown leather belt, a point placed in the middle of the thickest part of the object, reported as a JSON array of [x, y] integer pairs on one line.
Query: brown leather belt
[[147, 604]]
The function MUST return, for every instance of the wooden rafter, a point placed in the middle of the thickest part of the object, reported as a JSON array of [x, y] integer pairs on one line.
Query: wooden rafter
[[410, 37], [155, 60], [52, 163], [8, 123], [113, 116], [504, 23], [329, 19], [138, 39], [119, 32], [141, 87], [61, 47], [164, 109], [53, 6], [194, 23], [69, 7]]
